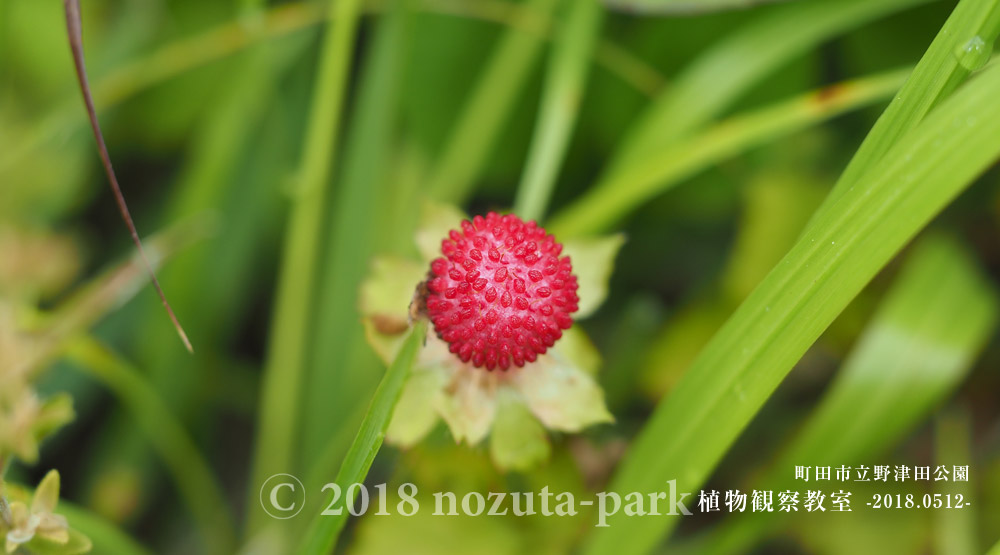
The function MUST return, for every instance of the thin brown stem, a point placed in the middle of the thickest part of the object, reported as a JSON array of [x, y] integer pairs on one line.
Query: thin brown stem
[[74, 30]]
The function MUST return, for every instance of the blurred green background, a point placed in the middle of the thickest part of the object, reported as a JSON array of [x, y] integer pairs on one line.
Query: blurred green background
[[210, 113]]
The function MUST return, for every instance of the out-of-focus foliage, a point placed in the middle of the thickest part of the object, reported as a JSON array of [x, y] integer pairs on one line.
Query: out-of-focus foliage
[[290, 148]]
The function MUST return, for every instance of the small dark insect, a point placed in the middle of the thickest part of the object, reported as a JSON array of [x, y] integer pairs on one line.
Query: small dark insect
[[418, 306]]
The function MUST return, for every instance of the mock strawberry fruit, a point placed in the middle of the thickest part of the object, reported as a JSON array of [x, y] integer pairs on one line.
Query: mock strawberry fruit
[[501, 294]]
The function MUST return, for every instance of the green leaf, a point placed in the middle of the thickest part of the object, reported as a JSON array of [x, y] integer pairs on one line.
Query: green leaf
[[561, 97], [828, 266], [470, 406], [614, 196], [593, 262], [324, 530], [436, 220], [288, 344], [921, 343], [938, 73], [559, 390], [481, 119], [46, 494], [777, 207], [385, 298], [732, 65], [76, 545], [518, 441], [341, 372], [575, 346], [107, 537], [416, 414], [390, 286], [229, 172]]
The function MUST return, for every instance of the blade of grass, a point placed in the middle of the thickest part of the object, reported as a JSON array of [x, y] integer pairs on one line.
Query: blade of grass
[[324, 530], [737, 62], [743, 363], [397, 202], [192, 474], [621, 63], [611, 199], [293, 313], [938, 73], [776, 206], [481, 119], [408, 174], [224, 175], [561, 97], [204, 278], [919, 346], [340, 377], [188, 53]]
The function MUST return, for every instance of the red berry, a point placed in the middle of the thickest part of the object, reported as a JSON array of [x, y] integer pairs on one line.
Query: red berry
[[502, 294]]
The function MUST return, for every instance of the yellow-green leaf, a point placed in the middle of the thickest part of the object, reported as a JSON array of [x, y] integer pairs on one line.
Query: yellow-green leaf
[[593, 261], [518, 441]]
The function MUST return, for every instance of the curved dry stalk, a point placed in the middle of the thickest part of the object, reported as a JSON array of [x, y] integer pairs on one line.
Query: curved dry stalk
[[74, 30]]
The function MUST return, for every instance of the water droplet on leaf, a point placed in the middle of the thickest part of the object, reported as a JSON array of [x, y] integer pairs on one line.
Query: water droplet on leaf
[[973, 54]]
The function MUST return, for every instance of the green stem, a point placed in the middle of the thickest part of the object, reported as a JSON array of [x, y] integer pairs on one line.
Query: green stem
[[564, 87], [339, 379], [286, 361], [486, 111], [193, 475], [324, 530]]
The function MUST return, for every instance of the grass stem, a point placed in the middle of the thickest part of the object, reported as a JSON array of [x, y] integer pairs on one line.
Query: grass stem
[[564, 88], [293, 313]]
